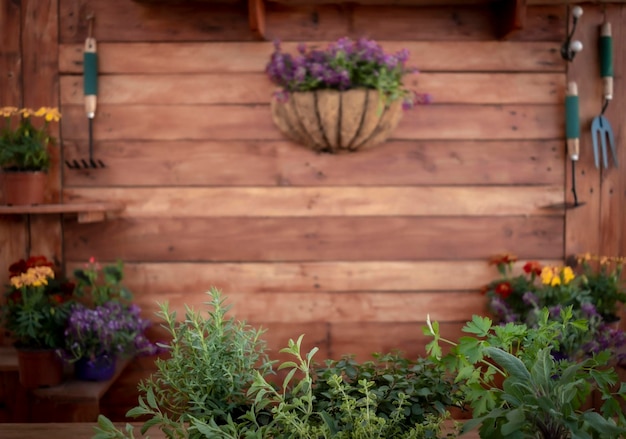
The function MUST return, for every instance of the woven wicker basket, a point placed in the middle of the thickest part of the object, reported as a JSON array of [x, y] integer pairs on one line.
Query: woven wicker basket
[[336, 121]]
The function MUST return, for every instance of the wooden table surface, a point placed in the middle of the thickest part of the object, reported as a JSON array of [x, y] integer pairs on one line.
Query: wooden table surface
[[84, 430]]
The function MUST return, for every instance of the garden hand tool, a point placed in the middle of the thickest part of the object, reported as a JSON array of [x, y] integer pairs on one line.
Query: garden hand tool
[[90, 87], [572, 133], [600, 127]]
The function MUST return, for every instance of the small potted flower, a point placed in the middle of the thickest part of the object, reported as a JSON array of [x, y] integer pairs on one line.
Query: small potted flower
[[104, 326], [346, 97], [37, 304], [24, 154]]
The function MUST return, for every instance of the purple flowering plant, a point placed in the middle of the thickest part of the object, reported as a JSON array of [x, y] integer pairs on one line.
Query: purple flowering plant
[[343, 65], [105, 323], [113, 329], [521, 297]]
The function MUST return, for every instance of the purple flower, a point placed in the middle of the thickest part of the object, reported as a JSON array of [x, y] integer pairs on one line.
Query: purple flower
[[344, 65], [112, 328], [529, 298], [589, 310]]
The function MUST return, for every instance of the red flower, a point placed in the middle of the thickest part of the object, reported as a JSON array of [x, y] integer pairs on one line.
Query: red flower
[[38, 261], [504, 289], [503, 259], [532, 267], [57, 298], [18, 268]]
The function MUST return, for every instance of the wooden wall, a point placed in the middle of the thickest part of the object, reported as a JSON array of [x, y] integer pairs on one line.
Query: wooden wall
[[352, 250]]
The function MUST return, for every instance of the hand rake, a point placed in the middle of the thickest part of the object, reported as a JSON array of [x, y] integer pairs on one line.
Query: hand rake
[[90, 86]]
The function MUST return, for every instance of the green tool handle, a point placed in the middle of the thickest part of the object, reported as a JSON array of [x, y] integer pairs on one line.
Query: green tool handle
[[90, 77], [572, 121], [606, 60]]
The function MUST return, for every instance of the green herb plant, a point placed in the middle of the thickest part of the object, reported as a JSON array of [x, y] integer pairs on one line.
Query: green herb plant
[[212, 362], [295, 412], [539, 396], [422, 384]]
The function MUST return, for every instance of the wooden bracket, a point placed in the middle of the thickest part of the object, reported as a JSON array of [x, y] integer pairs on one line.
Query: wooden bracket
[[509, 17], [256, 18]]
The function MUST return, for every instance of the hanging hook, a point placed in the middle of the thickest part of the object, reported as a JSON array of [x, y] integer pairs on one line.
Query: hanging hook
[[570, 48], [90, 19]]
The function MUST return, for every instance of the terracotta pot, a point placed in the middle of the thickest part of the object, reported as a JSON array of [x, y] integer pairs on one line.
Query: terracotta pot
[[39, 367], [336, 121], [23, 188]]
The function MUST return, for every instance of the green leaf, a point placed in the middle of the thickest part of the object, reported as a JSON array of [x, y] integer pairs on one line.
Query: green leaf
[[478, 325], [516, 421], [513, 365]]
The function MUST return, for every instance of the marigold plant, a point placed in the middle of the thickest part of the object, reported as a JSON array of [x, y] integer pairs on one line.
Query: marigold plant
[[520, 297], [24, 144]]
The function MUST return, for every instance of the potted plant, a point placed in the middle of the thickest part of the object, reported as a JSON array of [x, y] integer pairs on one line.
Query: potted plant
[[521, 297], [537, 395], [346, 97], [35, 311], [24, 154], [95, 338], [104, 326]]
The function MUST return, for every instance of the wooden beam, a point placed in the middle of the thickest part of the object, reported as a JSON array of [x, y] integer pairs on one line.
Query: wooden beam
[[256, 18], [509, 16]]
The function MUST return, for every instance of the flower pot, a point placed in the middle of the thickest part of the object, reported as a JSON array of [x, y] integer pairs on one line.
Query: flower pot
[[99, 369], [39, 367], [24, 187], [336, 121]]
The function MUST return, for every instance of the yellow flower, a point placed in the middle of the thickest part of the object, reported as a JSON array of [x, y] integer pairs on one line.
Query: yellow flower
[[16, 281], [42, 111], [8, 111], [53, 114], [547, 273], [26, 112], [568, 275]]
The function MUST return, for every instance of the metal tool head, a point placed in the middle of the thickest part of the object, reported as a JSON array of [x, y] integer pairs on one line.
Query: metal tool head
[[602, 132]]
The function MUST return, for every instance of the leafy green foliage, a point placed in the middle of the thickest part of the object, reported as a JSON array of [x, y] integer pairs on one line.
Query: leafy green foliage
[[349, 410], [539, 396], [101, 284], [422, 385], [24, 146], [213, 361]]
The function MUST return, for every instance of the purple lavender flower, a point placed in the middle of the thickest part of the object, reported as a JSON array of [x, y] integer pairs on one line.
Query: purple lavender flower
[[112, 328]]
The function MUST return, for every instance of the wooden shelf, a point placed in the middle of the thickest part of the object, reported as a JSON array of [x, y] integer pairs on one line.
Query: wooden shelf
[[86, 212]]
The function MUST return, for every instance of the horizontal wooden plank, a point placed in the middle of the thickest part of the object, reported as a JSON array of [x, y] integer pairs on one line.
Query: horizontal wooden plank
[[351, 307], [363, 339], [328, 201], [243, 122], [128, 20], [315, 239], [256, 88], [282, 163], [186, 281], [231, 57], [205, 21]]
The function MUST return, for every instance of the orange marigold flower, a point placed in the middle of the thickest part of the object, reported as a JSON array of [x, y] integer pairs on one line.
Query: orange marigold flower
[[504, 289], [532, 267]]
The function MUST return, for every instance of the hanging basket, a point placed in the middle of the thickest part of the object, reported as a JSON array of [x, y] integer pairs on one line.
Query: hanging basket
[[336, 121]]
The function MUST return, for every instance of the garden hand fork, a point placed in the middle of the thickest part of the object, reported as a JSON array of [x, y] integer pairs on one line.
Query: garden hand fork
[[601, 130]]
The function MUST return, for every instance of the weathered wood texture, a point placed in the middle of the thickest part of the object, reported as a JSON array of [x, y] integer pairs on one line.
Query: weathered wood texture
[[12, 229], [30, 78], [354, 251], [599, 226]]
